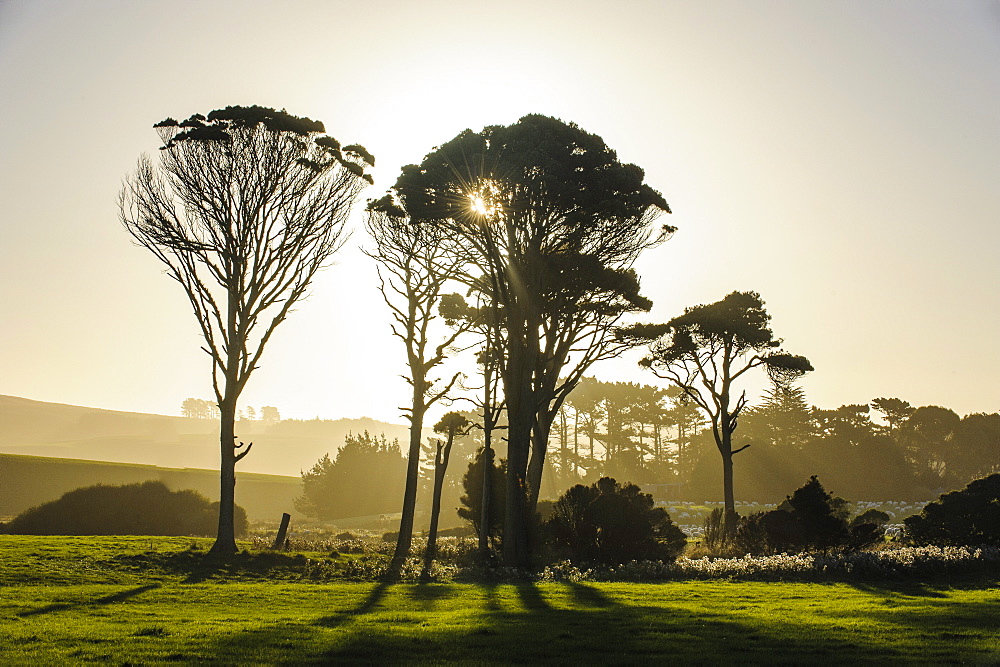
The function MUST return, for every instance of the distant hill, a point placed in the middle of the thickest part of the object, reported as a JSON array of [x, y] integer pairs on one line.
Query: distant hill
[[28, 481], [37, 428]]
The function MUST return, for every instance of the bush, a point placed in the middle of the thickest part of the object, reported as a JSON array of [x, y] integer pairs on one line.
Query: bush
[[810, 518], [611, 523], [967, 517], [148, 508]]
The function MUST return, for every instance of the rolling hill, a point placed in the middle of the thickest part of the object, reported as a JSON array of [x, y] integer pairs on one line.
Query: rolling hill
[[37, 428]]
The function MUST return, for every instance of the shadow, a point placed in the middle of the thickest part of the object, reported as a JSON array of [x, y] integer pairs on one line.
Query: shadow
[[531, 598], [107, 599], [371, 601], [574, 623], [429, 593], [898, 589], [588, 596]]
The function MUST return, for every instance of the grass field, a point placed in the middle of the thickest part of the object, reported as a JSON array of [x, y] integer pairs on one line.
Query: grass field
[[91, 599]]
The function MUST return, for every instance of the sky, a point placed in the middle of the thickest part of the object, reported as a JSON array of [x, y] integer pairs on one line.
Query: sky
[[840, 158]]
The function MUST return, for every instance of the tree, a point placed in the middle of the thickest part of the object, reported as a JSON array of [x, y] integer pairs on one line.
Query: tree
[[451, 425], [548, 223], [270, 415], [928, 436], [894, 410], [414, 267], [245, 206], [707, 349], [197, 408], [483, 501], [361, 480]]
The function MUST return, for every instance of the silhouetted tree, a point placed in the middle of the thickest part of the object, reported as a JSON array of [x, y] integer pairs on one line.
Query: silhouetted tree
[[549, 223], [894, 410], [451, 425], [414, 267], [364, 478], [928, 437], [977, 446], [708, 348], [484, 479], [243, 209]]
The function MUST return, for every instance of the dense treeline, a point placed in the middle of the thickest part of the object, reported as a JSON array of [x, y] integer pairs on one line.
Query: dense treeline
[[654, 436]]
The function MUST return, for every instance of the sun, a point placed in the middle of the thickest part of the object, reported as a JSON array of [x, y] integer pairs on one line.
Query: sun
[[482, 200], [479, 205]]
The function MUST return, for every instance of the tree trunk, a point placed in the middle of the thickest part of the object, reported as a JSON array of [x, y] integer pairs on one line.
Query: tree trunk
[[404, 540], [486, 516], [431, 553], [225, 541], [515, 534], [726, 449], [539, 446]]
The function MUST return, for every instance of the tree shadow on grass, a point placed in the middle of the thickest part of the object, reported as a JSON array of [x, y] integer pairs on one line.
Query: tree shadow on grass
[[564, 625], [370, 603], [107, 599]]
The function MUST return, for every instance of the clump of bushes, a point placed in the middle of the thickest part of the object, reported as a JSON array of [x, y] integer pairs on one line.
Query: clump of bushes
[[610, 523], [967, 517], [810, 519], [148, 508]]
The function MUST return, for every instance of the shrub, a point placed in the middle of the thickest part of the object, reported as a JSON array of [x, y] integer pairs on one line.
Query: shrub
[[967, 517], [720, 529], [877, 517], [611, 523], [148, 508]]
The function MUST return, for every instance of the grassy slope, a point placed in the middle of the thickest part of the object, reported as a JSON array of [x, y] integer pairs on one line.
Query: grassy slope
[[69, 599], [32, 480]]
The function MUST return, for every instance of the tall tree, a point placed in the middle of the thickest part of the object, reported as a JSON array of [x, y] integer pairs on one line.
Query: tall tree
[[244, 207], [895, 411], [707, 349], [549, 223], [451, 425], [414, 267]]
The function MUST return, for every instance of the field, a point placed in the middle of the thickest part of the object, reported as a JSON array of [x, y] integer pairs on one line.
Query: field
[[119, 600]]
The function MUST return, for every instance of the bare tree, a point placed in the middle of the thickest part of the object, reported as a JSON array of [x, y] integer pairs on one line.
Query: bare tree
[[414, 269], [244, 207]]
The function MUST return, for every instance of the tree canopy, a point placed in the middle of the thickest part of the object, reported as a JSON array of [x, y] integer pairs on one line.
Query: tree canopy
[[548, 222]]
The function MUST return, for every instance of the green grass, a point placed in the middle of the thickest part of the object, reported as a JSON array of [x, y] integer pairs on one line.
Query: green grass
[[80, 603]]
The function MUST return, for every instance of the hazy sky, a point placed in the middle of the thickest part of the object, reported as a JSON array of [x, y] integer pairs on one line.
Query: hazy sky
[[841, 158]]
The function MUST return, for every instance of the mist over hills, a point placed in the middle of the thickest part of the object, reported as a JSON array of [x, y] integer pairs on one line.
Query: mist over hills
[[38, 428]]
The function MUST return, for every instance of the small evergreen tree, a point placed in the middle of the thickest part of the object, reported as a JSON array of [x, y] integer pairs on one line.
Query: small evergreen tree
[[472, 500]]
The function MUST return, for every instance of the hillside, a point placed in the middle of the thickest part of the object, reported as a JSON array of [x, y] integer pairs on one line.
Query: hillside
[[37, 428], [27, 481]]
